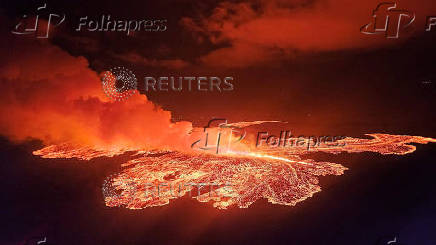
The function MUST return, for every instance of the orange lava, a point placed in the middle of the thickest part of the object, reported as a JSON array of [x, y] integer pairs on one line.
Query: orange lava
[[277, 174]]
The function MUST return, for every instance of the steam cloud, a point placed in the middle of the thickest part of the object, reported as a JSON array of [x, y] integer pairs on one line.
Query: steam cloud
[[50, 95]]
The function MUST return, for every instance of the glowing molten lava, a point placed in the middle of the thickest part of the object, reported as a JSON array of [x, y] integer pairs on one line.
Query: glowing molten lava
[[60, 99], [277, 174]]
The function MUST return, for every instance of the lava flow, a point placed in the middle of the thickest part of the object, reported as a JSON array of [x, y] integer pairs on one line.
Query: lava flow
[[278, 174]]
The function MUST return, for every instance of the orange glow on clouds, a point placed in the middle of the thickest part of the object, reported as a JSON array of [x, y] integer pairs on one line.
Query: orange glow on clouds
[[59, 99]]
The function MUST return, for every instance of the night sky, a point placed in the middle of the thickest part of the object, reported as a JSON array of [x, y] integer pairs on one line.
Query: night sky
[[304, 62]]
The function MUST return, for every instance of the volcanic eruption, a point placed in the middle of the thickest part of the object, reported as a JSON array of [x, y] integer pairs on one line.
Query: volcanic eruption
[[60, 102]]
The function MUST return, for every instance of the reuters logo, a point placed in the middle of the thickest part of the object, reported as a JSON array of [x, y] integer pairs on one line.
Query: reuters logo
[[119, 83]]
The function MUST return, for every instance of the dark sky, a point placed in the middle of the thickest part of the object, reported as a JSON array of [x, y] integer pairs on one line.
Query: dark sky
[[299, 61]]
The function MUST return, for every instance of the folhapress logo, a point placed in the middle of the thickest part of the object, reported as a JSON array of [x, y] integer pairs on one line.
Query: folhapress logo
[[389, 20], [223, 129], [29, 26], [32, 24]]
